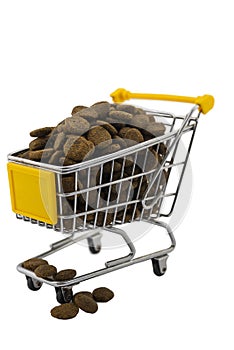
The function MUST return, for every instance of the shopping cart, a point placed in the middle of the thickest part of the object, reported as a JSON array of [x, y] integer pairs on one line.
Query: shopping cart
[[37, 195]]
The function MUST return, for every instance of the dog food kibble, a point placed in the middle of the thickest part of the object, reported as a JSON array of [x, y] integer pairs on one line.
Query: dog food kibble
[[141, 120], [32, 264], [110, 128], [77, 109], [102, 108], [99, 136], [41, 132], [121, 116], [135, 135], [77, 148], [76, 125], [85, 303], [38, 143], [102, 294], [38, 155], [86, 293], [65, 311], [46, 271], [88, 113], [126, 108], [65, 275]]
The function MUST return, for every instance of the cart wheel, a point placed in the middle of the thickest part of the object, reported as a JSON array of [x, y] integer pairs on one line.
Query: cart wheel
[[94, 244], [33, 284], [160, 265], [63, 294]]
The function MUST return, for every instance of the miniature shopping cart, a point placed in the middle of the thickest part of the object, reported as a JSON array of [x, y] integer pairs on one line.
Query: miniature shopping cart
[[37, 195]]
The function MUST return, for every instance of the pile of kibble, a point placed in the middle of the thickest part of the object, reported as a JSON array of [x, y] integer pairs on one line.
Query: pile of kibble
[[85, 301], [100, 129], [92, 132]]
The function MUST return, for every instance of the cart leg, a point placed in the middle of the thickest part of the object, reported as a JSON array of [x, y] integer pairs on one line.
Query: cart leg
[[160, 265], [64, 294], [94, 243], [160, 262], [33, 284]]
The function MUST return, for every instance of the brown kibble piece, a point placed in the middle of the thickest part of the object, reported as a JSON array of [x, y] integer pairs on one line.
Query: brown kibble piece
[[38, 143], [102, 294], [77, 148], [126, 108], [37, 155], [24, 155], [88, 113], [32, 264], [77, 109], [99, 103], [121, 116], [41, 132], [65, 311], [135, 135], [86, 293], [99, 136], [65, 275], [76, 125], [123, 132], [85, 303], [46, 271], [141, 120], [102, 108], [131, 134], [110, 128]]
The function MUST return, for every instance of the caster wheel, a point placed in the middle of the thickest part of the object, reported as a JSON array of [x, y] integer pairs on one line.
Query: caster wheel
[[63, 294], [33, 284], [160, 265], [94, 245]]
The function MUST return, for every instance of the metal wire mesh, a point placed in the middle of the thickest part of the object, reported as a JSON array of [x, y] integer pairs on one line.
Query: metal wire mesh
[[110, 190]]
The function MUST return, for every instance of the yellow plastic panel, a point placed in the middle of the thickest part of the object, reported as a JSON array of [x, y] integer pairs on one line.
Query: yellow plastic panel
[[33, 192]]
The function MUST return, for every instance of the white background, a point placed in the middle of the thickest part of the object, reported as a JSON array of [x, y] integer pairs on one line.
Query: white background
[[57, 54]]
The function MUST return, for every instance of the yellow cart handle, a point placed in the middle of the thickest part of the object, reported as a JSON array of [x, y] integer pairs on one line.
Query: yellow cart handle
[[206, 102]]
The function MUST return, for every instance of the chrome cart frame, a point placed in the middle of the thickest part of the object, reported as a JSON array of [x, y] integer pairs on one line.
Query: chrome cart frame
[[76, 224]]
